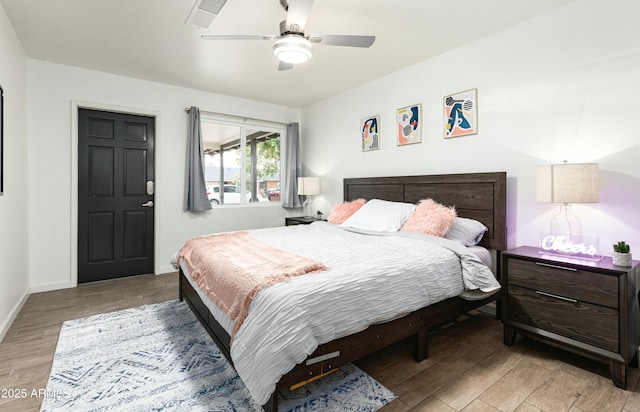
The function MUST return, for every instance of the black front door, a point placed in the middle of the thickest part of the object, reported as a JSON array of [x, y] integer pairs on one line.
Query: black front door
[[115, 195]]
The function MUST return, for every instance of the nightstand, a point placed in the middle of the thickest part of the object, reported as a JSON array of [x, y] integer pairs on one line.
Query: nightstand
[[300, 220], [589, 308]]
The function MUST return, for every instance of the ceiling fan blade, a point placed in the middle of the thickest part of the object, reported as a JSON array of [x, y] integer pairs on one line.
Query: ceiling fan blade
[[350, 40], [284, 66], [297, 14], [238, 37]]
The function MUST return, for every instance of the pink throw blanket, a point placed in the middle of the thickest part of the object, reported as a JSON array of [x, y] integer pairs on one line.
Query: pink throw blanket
[[231, 268]]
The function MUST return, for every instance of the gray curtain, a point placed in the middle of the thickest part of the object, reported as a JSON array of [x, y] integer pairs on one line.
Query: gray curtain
[[292, 169], [196, 199]]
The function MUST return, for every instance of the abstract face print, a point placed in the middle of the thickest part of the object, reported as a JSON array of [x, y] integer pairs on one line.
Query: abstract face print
[[409, 125], [460, 114], [370, 133]]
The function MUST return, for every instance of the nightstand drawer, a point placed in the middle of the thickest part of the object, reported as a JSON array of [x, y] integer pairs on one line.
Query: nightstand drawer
[[581, 285], [582, 321]]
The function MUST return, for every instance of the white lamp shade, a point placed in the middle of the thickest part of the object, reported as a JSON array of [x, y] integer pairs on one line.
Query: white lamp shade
[[308, 186], [568, 183]]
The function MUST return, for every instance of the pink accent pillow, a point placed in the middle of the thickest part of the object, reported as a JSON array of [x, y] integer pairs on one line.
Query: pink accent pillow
[[343, 211], [430, 218]]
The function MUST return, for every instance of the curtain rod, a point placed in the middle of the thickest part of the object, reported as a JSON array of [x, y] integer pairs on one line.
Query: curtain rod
[[243, 118]]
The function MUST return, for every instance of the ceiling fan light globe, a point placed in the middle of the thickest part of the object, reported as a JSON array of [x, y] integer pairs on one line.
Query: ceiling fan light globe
[[292, 49]]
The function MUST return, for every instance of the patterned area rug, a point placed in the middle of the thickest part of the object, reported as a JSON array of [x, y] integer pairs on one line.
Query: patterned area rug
[[159, 358]]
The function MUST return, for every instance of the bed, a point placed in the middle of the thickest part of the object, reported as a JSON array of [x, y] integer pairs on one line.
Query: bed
[[478, 196]]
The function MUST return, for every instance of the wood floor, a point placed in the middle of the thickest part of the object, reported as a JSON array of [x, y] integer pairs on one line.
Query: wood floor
[[469, 369]]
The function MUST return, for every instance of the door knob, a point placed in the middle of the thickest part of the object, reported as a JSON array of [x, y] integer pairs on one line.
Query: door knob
[[148, 204]]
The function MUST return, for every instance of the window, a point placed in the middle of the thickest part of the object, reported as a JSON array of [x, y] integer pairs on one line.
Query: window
[[242, 161]]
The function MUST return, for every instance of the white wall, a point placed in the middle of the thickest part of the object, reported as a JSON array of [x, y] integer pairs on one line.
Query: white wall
[[14, 271], [52, 90], [565, 85]]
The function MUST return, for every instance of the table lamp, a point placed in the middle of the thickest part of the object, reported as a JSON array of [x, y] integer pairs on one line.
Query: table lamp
[[308, 186], [567, 183]]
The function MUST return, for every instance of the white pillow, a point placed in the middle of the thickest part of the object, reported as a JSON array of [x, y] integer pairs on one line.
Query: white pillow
[[380, 216], [469, 232]]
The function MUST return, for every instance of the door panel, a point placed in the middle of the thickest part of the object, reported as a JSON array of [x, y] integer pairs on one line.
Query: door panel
[[101, 171], [135, 176], [115, 162], [101, 229], [135, 131], [135, 228], [100, 128]]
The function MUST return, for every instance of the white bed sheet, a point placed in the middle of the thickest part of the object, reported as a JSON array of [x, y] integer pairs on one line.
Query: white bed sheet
[[483, 254], [225, 321], [364, 285]]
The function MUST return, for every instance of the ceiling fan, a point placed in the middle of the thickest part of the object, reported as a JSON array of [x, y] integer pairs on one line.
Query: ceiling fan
[[292, 46]]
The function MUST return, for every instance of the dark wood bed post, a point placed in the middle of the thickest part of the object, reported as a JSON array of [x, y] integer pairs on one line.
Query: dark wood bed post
[[497, 274], [422, 344], [272, 403]]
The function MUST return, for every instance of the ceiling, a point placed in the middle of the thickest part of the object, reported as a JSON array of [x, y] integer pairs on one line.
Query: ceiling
[[150, 39]]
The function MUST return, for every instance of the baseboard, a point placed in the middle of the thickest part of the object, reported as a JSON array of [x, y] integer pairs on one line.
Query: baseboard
[[46, 287], [4, 328], [165, 269]]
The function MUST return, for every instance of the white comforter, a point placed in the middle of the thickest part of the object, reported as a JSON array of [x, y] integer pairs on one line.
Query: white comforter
[[372, 279]]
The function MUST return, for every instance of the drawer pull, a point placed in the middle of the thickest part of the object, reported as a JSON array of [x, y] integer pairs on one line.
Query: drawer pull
[[556, 266], [551, 295]]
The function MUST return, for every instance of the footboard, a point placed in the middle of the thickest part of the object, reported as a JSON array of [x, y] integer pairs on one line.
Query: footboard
[[331, 355], [217, 332]]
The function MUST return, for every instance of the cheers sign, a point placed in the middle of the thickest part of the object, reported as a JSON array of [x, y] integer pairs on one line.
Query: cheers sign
[[585, 245]]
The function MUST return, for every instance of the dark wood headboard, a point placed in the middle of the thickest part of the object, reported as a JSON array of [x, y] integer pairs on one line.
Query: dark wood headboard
[[479, 196]]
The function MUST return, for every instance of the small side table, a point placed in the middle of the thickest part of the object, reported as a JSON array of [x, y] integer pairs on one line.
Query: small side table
[[301, 220]]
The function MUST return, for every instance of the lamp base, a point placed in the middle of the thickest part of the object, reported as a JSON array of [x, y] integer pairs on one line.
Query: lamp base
[[566, 223], [307, 207]]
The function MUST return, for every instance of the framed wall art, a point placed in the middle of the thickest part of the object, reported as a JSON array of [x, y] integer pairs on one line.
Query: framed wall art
[[409, 124], [461, 114], [370, 133]]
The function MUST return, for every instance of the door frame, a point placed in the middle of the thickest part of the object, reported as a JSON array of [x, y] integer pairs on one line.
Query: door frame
[[75, 105]]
